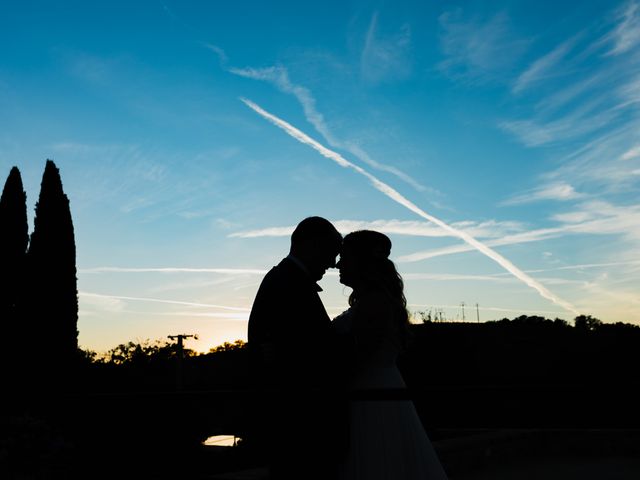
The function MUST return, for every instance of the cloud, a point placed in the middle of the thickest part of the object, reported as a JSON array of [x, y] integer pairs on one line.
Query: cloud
[[544, 67], [605, 219], [400, 199], [599, 162], [537, 131], [96, 70], [222, 315], [626, 34], [564, 94], [223, 271], [524, 237], [486, 229], [557, 191], [385, 58], [477, 49], [102, 297], [444, 277], [572, 217], [222, 56], [586, 266], [599, 91], [103, 302], [633, 152]]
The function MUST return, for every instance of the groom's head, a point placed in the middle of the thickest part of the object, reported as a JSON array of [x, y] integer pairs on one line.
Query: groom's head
[[316, 243]]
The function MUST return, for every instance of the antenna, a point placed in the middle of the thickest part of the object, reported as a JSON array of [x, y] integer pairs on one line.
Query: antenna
[[462, 305], [478, 313]]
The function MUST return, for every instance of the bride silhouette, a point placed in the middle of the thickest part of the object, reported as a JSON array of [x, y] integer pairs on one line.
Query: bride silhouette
[[387, 439]]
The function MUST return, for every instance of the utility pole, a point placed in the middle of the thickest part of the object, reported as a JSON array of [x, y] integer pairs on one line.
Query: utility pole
[[462, 305], [478, 313], [180, 357]]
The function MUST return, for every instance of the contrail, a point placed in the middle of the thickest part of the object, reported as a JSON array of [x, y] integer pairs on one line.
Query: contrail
[[279, 77], [158, 300], [398, 198], [223, 271]]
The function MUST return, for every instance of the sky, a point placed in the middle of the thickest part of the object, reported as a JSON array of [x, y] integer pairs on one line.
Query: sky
[[496, 143]]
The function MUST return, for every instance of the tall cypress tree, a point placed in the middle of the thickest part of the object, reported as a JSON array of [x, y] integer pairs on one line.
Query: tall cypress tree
[[14, 237], [52, 276]]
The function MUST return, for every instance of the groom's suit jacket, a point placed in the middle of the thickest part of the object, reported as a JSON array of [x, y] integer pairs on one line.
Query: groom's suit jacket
[[289, 329], [295, 354]]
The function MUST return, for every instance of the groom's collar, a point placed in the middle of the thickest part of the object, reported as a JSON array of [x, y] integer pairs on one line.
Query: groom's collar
[[304, 268]]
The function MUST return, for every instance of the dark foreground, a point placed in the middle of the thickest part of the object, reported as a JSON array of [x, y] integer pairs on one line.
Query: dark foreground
[[478, 432], [520, 455]]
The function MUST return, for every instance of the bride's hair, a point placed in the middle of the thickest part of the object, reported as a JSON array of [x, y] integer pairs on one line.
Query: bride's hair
[[370, 250]]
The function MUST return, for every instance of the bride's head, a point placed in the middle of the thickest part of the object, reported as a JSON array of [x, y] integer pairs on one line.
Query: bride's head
[[364, 265]]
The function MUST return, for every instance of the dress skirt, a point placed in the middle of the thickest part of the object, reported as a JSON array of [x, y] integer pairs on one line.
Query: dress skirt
[[387, 440]]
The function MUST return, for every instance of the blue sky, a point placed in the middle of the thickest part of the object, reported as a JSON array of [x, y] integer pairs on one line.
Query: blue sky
[[192, 137]]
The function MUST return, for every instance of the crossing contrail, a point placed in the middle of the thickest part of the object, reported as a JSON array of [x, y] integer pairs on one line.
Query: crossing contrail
[[399, 198]]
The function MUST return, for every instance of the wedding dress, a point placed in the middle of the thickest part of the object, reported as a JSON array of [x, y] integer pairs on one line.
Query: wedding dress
[[387, 440]]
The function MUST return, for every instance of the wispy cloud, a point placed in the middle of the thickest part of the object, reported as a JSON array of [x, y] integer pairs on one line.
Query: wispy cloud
[[92, 295], [538, 131], [496, 278], [486, 229], [586, 266], [93, 69], [524, 237], [102, 302], [595, 105], [446, 277], [478, 49], [223, 271], [400, 199], [220, 315], [604, 219], [279, 77], [222, 56], [385, 57], [599, 162], [633, 152], [544, 67], [556, 191], [626, 34], [564, 94]]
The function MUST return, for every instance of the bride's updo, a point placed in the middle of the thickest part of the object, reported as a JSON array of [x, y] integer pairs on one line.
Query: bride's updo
[[370, 251]]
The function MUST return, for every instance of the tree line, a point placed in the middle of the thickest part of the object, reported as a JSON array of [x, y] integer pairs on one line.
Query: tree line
[[526, 350], [39, 295]]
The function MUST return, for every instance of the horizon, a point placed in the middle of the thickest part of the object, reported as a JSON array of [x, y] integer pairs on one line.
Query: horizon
[[497, 146]]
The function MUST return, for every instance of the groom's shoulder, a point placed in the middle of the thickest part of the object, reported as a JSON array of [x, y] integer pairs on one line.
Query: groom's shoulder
[[284, 272]]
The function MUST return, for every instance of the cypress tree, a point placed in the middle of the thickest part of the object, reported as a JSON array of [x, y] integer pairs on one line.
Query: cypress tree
[[51, 259], [14, 237]]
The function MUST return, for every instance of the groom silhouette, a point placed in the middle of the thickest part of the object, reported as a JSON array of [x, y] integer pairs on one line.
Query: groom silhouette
[[299, 423]]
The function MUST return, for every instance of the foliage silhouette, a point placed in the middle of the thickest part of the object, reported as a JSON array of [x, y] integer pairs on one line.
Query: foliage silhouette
[[52, 304], [519, 372], [14, 237], [587, 322]]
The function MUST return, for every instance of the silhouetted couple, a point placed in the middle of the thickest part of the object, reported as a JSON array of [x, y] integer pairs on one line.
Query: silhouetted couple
[[306, 365]]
